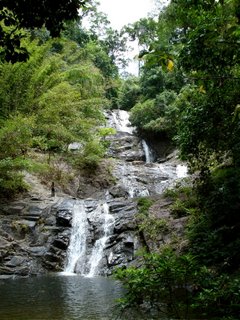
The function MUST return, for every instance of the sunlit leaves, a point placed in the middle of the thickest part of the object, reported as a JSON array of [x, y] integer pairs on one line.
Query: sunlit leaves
[[201, 89], [170, 65]]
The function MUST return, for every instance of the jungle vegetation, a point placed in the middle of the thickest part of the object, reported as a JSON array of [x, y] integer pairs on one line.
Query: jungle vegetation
[[188, 90], [57, 79]]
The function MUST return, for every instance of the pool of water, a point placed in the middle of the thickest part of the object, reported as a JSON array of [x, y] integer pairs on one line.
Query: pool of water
[[59, 297]]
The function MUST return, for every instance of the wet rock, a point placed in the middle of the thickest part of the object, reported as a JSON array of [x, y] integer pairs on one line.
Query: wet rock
[[24, 224], [51, 257], [27, 238], [38, 251], [4, 243], [122, 225], [61, 242], [17, 209], [16, 261], [118, 192], [126, 147], [64, 214], [35, 232], [91, 204], [122, 253]]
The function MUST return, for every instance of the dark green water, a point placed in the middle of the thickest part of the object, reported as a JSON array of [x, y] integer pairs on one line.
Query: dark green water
[[58, 297]]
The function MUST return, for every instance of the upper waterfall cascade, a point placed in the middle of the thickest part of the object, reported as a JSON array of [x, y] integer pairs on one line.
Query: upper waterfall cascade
[[147, 151], [120, 121], [99, 238]]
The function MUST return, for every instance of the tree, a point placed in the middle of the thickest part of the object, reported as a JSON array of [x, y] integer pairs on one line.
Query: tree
[[15, 138], [129, 93], [60, 89], [200, 39], [209, 55], [16, 15]]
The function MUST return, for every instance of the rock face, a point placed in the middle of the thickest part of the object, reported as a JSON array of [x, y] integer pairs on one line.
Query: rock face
[[127, 147], [91, 236], [34, 238], [31, 241], [104, 234]]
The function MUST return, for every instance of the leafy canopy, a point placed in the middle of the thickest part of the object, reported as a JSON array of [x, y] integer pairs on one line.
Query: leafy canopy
[[16, 15]]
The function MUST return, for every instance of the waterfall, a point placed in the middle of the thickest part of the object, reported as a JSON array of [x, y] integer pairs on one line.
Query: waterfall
[[181, 171], [97, 252], [121, 121], [95, 245], [147, 152], [78, 239], [129, 178], [81, 257]]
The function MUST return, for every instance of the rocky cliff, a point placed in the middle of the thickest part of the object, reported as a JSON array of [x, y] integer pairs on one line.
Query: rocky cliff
[[36, 229]]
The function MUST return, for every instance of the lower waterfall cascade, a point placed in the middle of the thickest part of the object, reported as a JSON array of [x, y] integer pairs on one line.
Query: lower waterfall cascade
[[103, 230], [77, 247]]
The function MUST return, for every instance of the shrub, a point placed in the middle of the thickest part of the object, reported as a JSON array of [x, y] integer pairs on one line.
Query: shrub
[[143, 205]]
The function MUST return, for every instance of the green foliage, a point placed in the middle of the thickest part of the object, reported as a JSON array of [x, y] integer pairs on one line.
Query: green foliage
[[178, 287], [185, 201], [142, 113], [219, 296], [129, 93], [11, 179], [144, 30], [216, 230], [57, 170], [18, 15], [198, 43], [90, 156], [148, 223], [103, 133], [74, 32], [169, 114], [190, 285], [15, 139], [205, 126], [152, 82], [21, 228], [15, 136], [152, 227], [161, 284], [50, 101], [179, 209], [156, 115], [144, 204]]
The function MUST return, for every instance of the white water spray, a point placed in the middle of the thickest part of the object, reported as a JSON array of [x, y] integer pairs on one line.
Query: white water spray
[[121, 121], [81, 257], [181, 171], [77, 248], [147, 152], [97, 252]]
